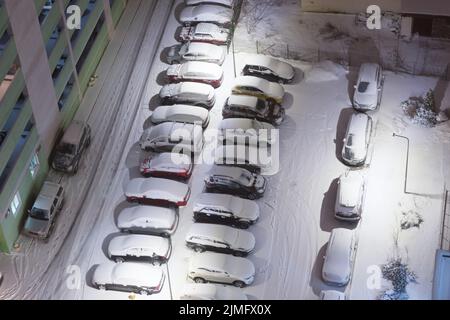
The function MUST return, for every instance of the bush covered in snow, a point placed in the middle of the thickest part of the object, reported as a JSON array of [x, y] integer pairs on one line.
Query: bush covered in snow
[[400, 275], [411, 219], [421, 109]]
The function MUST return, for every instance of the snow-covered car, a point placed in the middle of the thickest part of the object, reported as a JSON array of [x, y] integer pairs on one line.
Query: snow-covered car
[[221, 268], [156, 191], [134, 277], [225, 209], [332, 295], [181, 113], [148, 220], [196, 71], [68, 152], [368, 88], [196, 51], [205, 32], [258, 87], [349, 198], [242, 106], [42, 216], [249, 157], [210, 13], [167, 165], [138, 247], [209, 291], [226, 3], [338, 261], [269, 68], [197, 94], [357, 139], [203, 237], [245, 130], [235, 181], [173, 137]]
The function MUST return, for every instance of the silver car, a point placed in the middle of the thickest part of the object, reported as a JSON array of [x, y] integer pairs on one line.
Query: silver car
[[369, 87]]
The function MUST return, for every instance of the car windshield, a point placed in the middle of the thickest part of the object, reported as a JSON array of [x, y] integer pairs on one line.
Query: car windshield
[[39, 214], [261, 105], [350, 140], [66, 148], [363, 86]]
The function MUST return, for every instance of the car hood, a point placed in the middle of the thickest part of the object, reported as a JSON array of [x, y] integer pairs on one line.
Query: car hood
[[241, 268], [36, 226], [187, 13], [285, 71], [103, 274], [174, 70], [245, 241], [365, 99], [250, 211], [348, 195], [276, 90]]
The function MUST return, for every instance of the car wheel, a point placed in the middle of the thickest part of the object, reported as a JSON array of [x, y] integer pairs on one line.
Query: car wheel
[[239, 254], [143, 292], [252, 196], [244, 225], [199, 280], [101, 287], [239, 284], [199, 249], [119, 259]]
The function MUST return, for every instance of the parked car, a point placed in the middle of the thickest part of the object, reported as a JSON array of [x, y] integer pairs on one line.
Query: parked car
[[196, 71], [129, 277], [368, 88], [221, 268], [207, 13], [226, 3], [332, 295], [205, 32], [148, 220], [251, 131], [249, 157], [349, 198], [260, 88], [181, 113], [75, 141], [138, 247], [338, 263], [269, 68], [208, 291], [156, 191], [42, 216], [167, 165], [196, 51], [225, 209], [203, 237], [197, 94], [235, 181], [357, 139], [241, 106], [173, 137]]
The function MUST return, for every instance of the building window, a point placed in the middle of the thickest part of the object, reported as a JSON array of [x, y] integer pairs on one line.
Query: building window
[[15, 204], [34, 165]]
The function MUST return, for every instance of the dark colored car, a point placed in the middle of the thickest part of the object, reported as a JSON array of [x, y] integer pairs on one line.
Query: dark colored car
[[270, 69]]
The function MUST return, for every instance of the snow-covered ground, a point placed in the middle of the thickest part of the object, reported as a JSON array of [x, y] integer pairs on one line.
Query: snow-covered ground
[[297, 209]]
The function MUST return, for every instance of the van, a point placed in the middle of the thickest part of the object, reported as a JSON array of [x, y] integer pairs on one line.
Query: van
[[368, 88], [357, 139]]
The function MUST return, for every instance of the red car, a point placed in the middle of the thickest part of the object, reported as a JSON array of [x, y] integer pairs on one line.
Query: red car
[[167, 165], [196, 71]]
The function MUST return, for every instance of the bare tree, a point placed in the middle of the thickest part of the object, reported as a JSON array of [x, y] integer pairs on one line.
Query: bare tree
[[257, 11]]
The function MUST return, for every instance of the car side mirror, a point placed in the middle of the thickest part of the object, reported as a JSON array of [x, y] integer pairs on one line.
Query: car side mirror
[[344, 140], [354, 87]]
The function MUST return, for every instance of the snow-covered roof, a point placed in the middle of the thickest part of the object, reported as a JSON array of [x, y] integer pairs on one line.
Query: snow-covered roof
[[156, 244], [202, 69], [137, 274], [158, 216], [337, 263], [73, 133], [222, 262], [156, 188]]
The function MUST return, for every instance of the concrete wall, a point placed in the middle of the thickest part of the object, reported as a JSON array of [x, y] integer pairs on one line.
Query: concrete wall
[[349, 6]]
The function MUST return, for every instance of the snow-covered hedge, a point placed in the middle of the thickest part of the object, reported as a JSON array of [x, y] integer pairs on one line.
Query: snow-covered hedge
[[421, 110]]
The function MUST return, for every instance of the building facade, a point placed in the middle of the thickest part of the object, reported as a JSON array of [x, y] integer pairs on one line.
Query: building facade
[[45, 69]]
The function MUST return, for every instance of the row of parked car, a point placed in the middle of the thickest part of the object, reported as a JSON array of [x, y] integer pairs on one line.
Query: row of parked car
[[341, 249]]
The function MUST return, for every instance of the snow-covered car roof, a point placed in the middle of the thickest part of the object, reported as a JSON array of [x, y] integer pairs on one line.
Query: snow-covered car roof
[[228, 3], [73, 133], [350, 185], [357, 129], [170, 162], [181, 113], [205, 13], [240, 207], [239, 154], [160, 217], [172, 130], [208, 291], [243, 100], [239, 267], [269, 88], [234, 173], [196, 69], [244, 124], [46, 196], [128, 273], [203, 49], [208, 28], [338, 260], [171, 90], [280, 68], [156, 188], [125, 243]]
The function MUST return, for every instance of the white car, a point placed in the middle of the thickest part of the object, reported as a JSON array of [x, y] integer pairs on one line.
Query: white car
[[197, 94], [181, 113], [255, 159], [269, 68], [332, 295], [148, 220], [245, 130], [258, 87], [338, 263], [157, 191], [225, 209], [222, 239], [368, 88], [196, 71], [167, 165], [349, 198], [129, 277], [226, 3], [219, 15], [221, 268], [174, 137], [357, 139], [208, 291], [196, 51], [139, 248], [205, 32]]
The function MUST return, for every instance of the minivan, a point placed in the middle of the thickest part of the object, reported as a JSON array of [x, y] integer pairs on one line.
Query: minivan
[[357, 140], [368, 88]]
